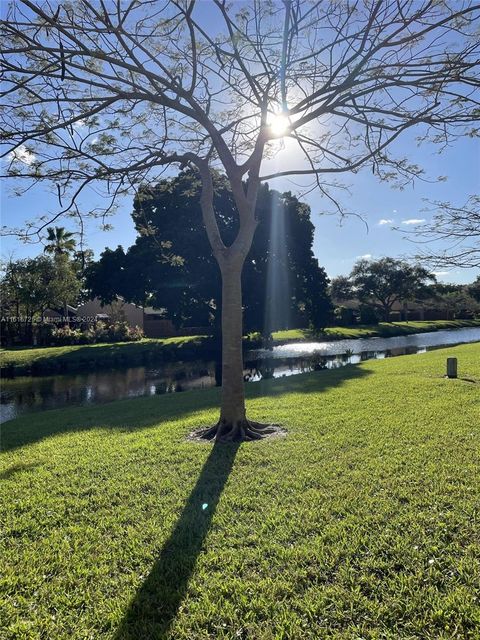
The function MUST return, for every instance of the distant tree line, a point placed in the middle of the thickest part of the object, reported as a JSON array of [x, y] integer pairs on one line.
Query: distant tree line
[[378, 286]]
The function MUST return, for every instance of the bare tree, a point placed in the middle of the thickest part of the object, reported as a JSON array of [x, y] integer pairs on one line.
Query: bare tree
[[451, 238], [114, 92]]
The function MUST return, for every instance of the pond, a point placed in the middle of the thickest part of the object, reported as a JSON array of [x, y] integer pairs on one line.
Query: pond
[[23, 395], [360, 345]]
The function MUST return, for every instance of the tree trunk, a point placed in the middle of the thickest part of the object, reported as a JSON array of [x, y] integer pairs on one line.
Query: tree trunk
[[233, 393], [233, 424]]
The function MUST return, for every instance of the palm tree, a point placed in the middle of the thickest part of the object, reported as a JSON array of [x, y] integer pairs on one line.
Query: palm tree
[[60, 242]]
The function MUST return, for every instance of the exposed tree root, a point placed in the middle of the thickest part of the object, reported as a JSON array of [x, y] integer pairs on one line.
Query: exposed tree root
[[239, 431]]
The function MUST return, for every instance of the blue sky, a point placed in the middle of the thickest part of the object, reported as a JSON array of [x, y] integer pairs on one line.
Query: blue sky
[[337, 244], [338, 247]]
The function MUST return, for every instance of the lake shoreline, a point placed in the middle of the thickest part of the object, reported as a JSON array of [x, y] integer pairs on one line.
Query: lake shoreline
[[79, 358], [35, 394], [382, 330]]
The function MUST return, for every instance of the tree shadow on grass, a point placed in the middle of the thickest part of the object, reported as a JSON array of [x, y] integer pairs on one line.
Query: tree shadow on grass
[[17, 468], [147, 412], [154, 607]]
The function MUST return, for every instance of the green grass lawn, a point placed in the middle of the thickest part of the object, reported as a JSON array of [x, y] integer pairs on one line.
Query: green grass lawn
[[364, 522], [382, 330]]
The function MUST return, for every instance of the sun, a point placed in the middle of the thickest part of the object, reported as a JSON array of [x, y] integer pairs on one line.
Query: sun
[[279, 125]]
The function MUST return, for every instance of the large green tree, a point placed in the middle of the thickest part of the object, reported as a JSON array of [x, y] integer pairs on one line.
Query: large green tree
[[113, 92], [171, 264], [341, 288], [456, 300], [386, 281], [32, 285]]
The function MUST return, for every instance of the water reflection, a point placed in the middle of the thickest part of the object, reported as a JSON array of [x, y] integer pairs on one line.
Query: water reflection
[[415, 341], [23, 395], [48, 392]]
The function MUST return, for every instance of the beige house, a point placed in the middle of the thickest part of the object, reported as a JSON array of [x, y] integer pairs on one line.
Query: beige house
[[118, 310], [150, 320]]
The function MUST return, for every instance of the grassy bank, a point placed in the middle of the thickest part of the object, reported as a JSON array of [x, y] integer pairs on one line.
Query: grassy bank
[[382, 330], [48, 360], [51, 360], [361, 523]]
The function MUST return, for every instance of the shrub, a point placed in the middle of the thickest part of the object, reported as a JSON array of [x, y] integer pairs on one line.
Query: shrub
[[135, 333], [114, 332], [100, 332], [118, 332], [66, 335]]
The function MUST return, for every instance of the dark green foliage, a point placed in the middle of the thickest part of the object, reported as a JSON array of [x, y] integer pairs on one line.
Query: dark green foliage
[[341, 289], [171, 265], [474, 289], [29, 287], [106, 278], [344, 316], [118, 331], [456, 300], [368, 314]]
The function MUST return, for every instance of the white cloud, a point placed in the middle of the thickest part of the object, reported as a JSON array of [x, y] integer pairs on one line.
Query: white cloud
[[79, 124], [367, 256], [22, 154], [385, 221], [413, 221], [441, 273], [394, 211]]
